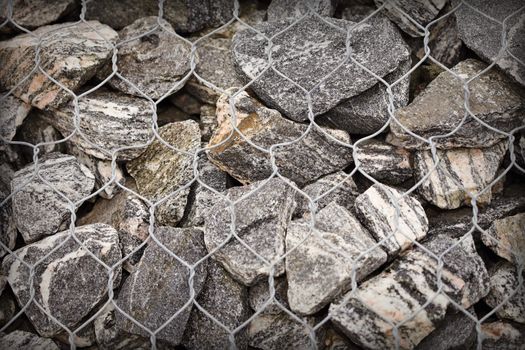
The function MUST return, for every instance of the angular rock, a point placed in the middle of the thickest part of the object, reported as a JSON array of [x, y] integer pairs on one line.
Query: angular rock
[[172, 286], [68, 283], [439, 109], [304, 161], [35, 130], [8, 230], [261, 220], [459, 172], [376, 209], [307, 53], [504, 284], [160, 171], [39, 210], [70, 53], [259, 294], [108, 122], [23, 340], [156, 63], [384, 162], [320, 264], [503, 335], [13, 111], [35, 13], [283, 9], [227, 301], [505, 237]]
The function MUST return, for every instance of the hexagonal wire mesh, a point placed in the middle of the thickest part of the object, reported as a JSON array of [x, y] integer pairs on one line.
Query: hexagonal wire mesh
[[399, 329]]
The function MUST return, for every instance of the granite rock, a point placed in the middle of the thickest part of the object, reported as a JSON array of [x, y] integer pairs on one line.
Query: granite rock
[[35, 13], [260, 298], [505, 237], [504, 284], [283, 9], [13, 111], [23, 340], [501, 335]]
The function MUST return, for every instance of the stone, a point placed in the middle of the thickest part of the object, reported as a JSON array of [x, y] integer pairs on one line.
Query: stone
[[160, 171], [505, 238], [8, 230], [439, 109], [13, 111], [82, 338], [35, 130], [307, 53], [259, 296], [38, 210], [385, 163], [320, 264], [461, 173], [227, 301], [261, 220], [207, 122], [109, 121], [344, 193], [23, 340], [71, 53], [504, 284], [423, 12], [311, 157], [502, 335], [356, 11], [483, 35], [171, 280], [35, 13], [69, 283], [283, 9], [376, 209], [156, 63], [404, 287]]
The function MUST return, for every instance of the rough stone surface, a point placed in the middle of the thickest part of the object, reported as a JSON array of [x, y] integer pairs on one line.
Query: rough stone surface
[[261, 220], [304, 161], [13, 111], [307, 53], [160, 170], [503, 285], [503, 335], [207, 121], [320, 264], [283, 9], [157, 63], [259, 296], [505, 237], [459, 172], [35, 13], [70, 53], [439, 109], [68, 283], [377, 211], [37, 209], [7, 224], [158, 268], [23, 340], [227, 301]]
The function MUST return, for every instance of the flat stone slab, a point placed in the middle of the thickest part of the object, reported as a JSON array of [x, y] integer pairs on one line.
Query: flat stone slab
[[504, 284], [505, 237]]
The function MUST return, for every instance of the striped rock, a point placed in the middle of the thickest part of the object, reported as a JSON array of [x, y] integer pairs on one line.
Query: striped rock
[[503, 335], [404, 287], [505, 237], [38, 209], [13, 111], [504, 284], [460, 172], [71, 53], [68, 283], [282, 9], [22, 340], [320, 264], [377, 211]]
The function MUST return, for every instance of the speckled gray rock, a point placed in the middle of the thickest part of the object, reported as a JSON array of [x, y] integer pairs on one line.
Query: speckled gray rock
[[227, 301], [160, 171], [69, 283], [313, 156], [156, 63], [70, 53], [308, 52], [344, 193], [35, 13], [439, 109], [37, 209], [8, 230], [459, 172], [320, 264], [376, 210], [23, 340], [36, 130], [283, 9], [108, 121], [505, 237], [503, 285], [259, 296], [261, 222], [13, 111], [501, 335], [158, 268], [384, 162]]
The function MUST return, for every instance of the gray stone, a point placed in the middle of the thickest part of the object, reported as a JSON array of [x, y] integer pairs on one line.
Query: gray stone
[[207, 121], [384, 162], [69, 283], [376, 209], [160, 171], [35, 130], [35, 13], [505, 237], [171, 281], [259, 296], [227, 301], [23, 340], [283, 9], [461, 173], [504, 284], [483, 35], [261, 220], [39, 210], [108, 122], [8, 230], [304, 161], [71, 53], [501, 335], [156, 63], [307, 53], [13, 111], [439, 109], [320, 264]]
